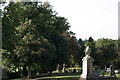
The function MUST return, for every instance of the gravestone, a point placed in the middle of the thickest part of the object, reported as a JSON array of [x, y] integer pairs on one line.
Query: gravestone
[[87, 66], [0, 72]]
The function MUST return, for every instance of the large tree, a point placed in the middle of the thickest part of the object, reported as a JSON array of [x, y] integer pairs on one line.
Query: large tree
[[106, 51], [33, 35]]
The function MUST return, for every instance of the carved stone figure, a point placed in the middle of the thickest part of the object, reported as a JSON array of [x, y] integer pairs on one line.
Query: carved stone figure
[[87, 51], [87, 65]]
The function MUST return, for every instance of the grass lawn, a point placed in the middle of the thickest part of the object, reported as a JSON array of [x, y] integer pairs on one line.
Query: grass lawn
[[61, 77], [70, 76], [118, 76], [66, 76]]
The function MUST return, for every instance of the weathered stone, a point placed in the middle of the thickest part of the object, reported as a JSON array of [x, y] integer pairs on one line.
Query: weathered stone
[[0, 72], [87, 66]]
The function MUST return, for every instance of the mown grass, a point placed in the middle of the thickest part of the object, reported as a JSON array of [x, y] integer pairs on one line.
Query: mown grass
[[60, 77], [67, 76], [71, 76]]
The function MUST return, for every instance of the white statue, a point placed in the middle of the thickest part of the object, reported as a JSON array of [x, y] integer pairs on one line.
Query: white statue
[[87, 51], [87, 65]]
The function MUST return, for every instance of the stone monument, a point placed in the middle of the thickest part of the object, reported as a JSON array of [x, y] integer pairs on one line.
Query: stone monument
[[87, 66], [0, 72]]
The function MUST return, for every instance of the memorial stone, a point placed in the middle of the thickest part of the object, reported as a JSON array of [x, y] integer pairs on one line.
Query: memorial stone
[[87, 66]]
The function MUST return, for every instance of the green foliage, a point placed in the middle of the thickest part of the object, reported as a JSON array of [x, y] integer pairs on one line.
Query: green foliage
[[36, 39], [80, 51], [106, 51], [33, 35]]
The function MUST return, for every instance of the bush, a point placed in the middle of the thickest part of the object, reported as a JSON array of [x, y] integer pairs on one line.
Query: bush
[[13, 75]]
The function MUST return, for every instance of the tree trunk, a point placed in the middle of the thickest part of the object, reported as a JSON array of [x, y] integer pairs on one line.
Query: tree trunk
[[50, 73], [24, 71], [29, 72], [60, 68], [105, 67], [112, 73]]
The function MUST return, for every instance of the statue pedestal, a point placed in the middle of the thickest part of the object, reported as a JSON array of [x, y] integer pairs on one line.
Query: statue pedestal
[[87, 68]]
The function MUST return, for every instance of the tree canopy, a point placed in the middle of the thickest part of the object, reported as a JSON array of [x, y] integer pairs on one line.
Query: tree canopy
[[32, 35]]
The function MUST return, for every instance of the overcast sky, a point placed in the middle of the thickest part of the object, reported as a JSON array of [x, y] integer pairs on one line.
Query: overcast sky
[[96, 18], [89, 18]]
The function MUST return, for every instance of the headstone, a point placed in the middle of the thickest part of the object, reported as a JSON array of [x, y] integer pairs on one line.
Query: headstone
[[108, 70], [87, 65], [70, 70], [74, 70], [0, 72], [79, 70], [4, 75], [116, 71]]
